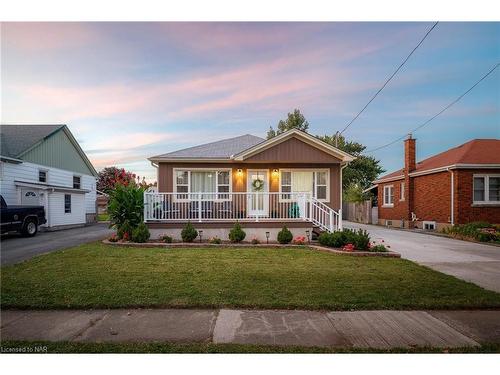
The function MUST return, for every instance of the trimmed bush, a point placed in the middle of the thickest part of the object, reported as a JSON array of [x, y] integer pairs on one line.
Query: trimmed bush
[[285, 236], [378, 249], [339, 239], [188, 233], [167, 239], [141, 233], [237, 234]]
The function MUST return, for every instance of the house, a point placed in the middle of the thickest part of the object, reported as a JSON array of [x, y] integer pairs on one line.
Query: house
[[457, 186], [293, 179], [45, 165]]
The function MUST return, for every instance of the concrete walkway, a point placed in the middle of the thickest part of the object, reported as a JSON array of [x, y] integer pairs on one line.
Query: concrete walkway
[[341, 329], [469, 261]]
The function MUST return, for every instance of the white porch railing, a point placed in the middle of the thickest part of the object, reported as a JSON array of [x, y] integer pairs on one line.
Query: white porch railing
[[244, 206]]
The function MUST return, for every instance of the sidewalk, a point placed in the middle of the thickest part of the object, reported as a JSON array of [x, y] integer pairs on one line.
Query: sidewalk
[[341, 329]]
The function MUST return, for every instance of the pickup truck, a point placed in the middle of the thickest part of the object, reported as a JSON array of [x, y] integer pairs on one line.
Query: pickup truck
[[23, 219]]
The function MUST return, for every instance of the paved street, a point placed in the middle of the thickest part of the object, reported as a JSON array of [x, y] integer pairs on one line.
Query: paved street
[[339, 329], [14, 248], [469, 261]]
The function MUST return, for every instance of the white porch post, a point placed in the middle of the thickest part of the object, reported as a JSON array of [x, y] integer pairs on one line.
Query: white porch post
[[199, 207], [340, 219], [145, 203]]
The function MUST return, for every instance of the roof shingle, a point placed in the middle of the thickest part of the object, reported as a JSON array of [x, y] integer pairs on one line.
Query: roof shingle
[[476, 151], [222, 149], [15, 139]]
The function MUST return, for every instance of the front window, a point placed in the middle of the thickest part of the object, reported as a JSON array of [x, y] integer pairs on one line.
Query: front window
[[216, 184], [486, 189], [389, 195], [315, 182]]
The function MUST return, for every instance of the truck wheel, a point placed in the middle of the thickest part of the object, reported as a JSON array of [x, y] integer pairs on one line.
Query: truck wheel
[[30, 228]]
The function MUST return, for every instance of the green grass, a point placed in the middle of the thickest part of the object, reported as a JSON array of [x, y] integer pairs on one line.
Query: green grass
[[103, 276], [102, 217], [72, 347]]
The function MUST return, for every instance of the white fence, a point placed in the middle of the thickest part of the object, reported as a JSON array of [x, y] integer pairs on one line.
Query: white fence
[[244, 206]]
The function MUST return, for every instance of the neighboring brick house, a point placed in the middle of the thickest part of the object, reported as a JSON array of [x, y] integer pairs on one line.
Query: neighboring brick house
[[457, 186]]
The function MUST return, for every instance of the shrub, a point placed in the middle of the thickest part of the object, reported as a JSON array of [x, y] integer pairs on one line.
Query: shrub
[[237, 234], [215, 240], [126, 207], [479, 230], [167, 239], [361, 239], [378, 249], [141, 233], [188, 233], [285, 236], [255, 241], [124, 231]]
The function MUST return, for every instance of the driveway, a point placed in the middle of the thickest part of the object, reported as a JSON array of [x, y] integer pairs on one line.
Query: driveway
[[468, 261], [14, 248]]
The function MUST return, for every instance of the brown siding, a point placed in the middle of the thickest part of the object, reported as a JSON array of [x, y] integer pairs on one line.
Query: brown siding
[[293, 150], [165, 174]]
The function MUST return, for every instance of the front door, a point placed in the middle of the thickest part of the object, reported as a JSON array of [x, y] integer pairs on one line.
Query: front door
[[258, 186]]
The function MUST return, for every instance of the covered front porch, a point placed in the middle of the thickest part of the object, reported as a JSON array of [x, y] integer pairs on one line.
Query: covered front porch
[[255, 207]]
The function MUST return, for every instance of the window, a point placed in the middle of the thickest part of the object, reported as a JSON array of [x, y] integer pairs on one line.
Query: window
[[42, 176], [299, 181], [389, 195], [217, 184], [486, 189], [429, 225], [67, 203], [223, 184], [76, 182], [402, 191], [321, 186]]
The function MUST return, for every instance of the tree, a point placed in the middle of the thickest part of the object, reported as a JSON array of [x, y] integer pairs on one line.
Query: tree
[[110, 176], [361, 171], [295, 120]]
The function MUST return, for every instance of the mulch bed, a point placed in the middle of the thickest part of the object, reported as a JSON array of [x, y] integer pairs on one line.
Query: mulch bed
[[388, 254]]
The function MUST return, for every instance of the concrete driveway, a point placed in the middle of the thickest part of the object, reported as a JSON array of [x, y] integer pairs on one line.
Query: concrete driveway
[[469, 261], [14, 248]]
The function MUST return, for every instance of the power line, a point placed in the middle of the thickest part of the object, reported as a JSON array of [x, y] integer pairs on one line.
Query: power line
[[388, 80], [437, 114]]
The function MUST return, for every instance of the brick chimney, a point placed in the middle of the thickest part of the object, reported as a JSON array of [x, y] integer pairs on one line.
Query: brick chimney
[[410, 166], [410, 158]]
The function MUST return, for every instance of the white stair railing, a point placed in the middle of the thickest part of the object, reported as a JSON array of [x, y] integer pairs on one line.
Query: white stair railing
[[326, 218]]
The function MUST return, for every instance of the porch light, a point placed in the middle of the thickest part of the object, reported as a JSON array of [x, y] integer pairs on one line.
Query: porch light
[[275, 171], [267, 237], [239, 170], [200, 233], [308, 234]]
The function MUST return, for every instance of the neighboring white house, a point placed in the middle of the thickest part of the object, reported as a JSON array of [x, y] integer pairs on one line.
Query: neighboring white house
[[45, 165]]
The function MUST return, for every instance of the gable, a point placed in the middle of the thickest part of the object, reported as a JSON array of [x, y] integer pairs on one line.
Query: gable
[[58, 151], [293, 150]]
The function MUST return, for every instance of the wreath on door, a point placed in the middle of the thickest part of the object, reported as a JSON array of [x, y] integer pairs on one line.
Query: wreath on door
[[258, 184]]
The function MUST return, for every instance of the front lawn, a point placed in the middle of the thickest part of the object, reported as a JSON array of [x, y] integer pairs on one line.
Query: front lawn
[[100, 276]]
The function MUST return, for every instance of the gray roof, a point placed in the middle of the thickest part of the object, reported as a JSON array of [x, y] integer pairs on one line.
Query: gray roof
[[15, 139], [215, 150]]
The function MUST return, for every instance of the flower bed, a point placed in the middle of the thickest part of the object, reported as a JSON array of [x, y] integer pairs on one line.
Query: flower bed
[[274, 245], [476, 231]]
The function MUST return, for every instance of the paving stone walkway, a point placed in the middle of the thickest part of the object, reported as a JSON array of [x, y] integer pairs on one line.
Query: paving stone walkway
[[340, 329]]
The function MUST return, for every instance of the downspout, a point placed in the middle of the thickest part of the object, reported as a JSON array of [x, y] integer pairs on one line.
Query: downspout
[[452, 213], [341, 194]]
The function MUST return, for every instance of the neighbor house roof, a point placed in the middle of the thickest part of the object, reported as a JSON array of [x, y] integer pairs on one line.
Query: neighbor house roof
[[242, 147], [16, 139], [477, 152]]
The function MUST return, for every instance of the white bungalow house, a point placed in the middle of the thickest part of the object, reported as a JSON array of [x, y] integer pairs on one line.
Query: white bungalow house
[[45, 165]]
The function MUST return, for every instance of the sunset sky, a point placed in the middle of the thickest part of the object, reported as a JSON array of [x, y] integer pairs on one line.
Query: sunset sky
[[129, 91]]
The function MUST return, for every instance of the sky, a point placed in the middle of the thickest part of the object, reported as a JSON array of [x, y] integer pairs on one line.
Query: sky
[[129, 91]]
